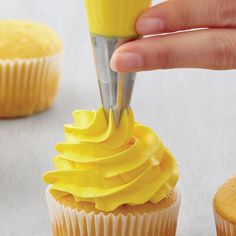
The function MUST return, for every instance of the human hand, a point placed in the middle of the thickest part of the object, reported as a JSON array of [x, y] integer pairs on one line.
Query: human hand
[[211, 48]]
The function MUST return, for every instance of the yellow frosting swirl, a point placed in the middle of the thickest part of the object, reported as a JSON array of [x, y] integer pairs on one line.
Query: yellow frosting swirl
[[111, 166]]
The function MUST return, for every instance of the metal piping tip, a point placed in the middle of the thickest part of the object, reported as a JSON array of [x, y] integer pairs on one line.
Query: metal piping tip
[[117, 96], [115, 88]]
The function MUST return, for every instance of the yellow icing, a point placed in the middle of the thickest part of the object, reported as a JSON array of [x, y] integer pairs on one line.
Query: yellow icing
[[25, 39], [114, 17], [111, 166]]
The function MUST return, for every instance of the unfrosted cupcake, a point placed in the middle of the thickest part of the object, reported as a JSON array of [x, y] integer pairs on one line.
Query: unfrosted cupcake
[[112, 181], [29, 67], [225, 209]]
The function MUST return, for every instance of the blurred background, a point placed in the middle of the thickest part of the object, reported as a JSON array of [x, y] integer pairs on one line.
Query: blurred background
[[192, 110]]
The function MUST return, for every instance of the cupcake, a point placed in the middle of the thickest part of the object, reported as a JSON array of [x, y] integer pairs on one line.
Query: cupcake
[[29, 67], [112, 181], [225, 209]]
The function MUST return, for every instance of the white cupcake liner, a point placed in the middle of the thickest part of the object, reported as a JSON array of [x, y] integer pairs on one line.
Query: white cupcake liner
[[224, 227], [72, 222], [28, 85]]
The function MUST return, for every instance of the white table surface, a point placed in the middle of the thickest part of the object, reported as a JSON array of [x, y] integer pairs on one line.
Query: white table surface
[[192, 110]]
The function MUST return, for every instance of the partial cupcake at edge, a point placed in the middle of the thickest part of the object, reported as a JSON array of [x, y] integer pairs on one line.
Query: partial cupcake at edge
[[112, 181], [224, 205], [29, 67]]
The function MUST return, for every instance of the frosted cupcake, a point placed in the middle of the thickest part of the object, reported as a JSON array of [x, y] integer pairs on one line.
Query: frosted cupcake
[[112, 181], [225, 209], [29, 67]]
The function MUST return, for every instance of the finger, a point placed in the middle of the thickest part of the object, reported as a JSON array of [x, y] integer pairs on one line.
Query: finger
[[210, 49], [175, 15]]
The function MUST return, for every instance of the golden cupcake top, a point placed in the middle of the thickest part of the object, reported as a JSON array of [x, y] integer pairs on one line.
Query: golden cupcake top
[[108, 166], [225, 200], [24, 39], [173, 198]]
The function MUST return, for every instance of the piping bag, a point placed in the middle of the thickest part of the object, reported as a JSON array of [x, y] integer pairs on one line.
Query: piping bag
[[111, 24]]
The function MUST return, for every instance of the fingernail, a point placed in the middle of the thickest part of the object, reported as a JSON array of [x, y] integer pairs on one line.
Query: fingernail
[[126, 61], [150, 25]]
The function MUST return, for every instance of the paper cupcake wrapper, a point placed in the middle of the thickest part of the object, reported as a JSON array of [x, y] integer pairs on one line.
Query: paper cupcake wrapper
[[72, 222], [28, 85], [224, 227]]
